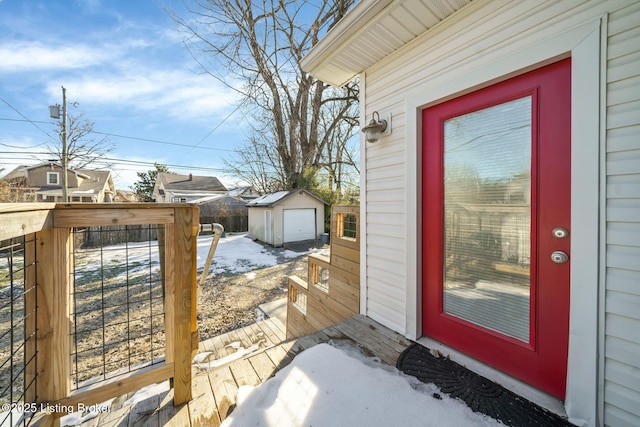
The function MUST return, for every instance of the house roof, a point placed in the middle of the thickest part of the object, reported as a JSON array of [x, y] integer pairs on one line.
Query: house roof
[[223, 205], [278, 197], [18, 172], [81, 172], [246, 192], [370, 32], [94, 182], [175, 182]]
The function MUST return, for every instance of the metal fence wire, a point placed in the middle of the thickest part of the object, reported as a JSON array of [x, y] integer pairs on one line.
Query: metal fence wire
[[18, 329], [117, 303]]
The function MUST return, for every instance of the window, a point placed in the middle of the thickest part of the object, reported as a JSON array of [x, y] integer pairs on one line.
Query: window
[[53, 178], [346, 226]]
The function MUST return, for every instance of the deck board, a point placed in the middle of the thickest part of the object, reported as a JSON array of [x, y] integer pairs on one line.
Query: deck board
[[243, 373], [279, 356], [215, 389], [202, 408], [263, 366], [143, 412], [225, 390]]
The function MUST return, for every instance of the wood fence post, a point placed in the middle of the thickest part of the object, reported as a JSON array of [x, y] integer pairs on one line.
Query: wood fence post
[[53, 316], [181, 269]]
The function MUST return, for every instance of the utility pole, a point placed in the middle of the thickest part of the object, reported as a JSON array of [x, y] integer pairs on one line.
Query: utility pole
[[65, 159], [54, 113]]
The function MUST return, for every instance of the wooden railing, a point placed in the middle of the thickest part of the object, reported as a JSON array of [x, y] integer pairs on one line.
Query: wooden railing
[[49, 227], [332, 293]]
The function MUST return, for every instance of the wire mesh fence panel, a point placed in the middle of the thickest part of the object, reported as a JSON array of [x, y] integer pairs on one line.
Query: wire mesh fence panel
[[18, 328], [117, 303]]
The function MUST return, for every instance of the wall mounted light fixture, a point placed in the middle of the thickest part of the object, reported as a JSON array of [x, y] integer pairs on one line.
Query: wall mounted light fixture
[[374, 129]]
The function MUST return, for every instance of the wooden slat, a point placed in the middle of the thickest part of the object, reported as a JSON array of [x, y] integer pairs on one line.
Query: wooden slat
[[278, 328], [386, 348], [20, 223], [144, 413], [375, 326], [184, 240], [96, 217], [349, 254], [224, 389], [117, 386], [258, 336], [263, 366], [344, 264], [202, 409], [278, 356], [297, 325], [116, 418], [25, 207], [243, 373], [232, 339], [53, 314], [247, 337], [346, 277], [170, 415], [273, 335], [218, 344]]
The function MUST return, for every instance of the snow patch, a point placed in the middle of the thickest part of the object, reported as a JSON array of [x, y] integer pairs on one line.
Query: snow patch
[[326, 386]]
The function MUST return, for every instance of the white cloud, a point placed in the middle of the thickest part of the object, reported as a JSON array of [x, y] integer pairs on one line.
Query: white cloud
[[176, 93], [35, 56]]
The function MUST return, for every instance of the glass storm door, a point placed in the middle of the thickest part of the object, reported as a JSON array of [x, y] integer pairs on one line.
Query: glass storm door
[[496, 212]]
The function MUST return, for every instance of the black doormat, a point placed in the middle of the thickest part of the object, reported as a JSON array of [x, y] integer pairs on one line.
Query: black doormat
[[479, 393]]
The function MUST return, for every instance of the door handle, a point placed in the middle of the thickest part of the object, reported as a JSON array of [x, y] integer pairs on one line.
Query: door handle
[[559, 257]]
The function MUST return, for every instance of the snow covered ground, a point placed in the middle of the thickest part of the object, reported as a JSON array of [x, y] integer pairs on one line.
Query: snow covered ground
[[236, 253], [336, 385]]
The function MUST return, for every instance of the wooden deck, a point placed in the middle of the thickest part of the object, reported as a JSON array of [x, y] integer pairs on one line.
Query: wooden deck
[[217, 375]]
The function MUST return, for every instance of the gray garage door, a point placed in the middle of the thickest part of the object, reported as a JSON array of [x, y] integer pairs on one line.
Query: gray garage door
[[299, 224]]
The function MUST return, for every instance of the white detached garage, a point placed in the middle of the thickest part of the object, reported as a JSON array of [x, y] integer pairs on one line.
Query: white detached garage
[[286, 216]]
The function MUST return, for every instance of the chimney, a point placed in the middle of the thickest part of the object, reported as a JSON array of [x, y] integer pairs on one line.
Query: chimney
[[190, 177]]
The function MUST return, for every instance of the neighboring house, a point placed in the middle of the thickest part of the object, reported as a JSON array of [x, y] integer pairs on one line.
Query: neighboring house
[[231, 212], [286, 216], [125, 196], [500, 209], [246, 193], [174, 188], [43, 183]]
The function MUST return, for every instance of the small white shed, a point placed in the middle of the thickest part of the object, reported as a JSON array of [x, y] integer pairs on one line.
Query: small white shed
[[286, 216]]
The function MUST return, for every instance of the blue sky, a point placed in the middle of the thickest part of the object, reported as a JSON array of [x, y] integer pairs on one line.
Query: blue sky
[[123, 63]]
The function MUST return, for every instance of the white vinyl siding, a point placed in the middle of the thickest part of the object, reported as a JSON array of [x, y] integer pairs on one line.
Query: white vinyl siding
[[622, 296], [387, 223], [463, 52]]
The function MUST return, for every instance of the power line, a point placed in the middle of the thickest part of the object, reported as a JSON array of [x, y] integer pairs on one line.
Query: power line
[[156, 141], [25, 117], [116, 161]]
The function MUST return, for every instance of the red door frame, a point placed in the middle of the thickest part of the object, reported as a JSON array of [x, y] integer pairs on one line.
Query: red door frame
[[543, 361]]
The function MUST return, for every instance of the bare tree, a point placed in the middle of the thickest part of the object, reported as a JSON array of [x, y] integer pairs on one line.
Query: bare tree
[[255, 48], [83, 149]]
